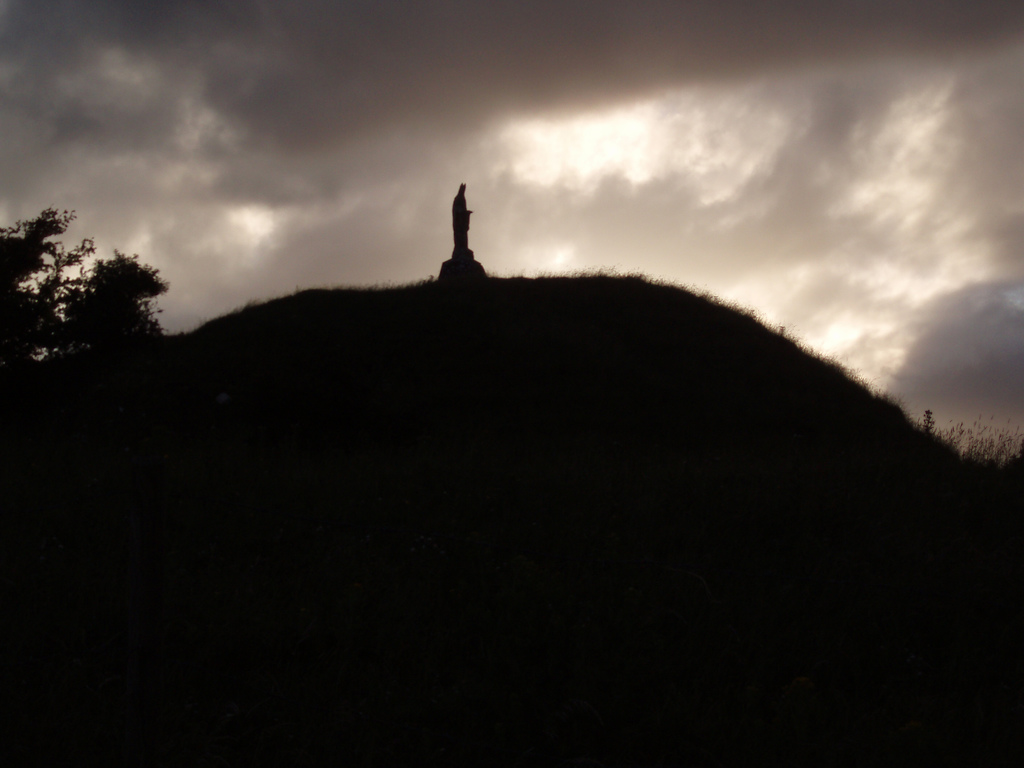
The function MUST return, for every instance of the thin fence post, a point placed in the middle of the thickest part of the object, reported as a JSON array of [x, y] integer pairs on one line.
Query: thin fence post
[[145, 605]]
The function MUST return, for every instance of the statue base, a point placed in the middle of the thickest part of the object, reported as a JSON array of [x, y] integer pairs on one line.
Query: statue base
[[461, 264]]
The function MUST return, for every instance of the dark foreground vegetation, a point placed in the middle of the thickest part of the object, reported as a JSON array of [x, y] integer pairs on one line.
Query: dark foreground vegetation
[[579, 521]]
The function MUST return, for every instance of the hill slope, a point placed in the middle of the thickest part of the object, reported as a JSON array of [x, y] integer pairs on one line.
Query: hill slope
[[619, 357]]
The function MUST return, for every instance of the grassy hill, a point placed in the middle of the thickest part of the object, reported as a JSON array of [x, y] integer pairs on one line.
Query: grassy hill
[[510, 522], [617, 357]]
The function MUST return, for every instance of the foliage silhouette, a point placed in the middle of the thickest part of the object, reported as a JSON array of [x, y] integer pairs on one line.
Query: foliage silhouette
[[114, 305], [34, 289], [46, 310]]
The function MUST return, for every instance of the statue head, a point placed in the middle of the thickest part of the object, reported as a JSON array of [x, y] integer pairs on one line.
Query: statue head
[[459, 204]]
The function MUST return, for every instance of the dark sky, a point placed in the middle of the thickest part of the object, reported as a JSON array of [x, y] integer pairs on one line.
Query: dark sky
[[852, 169]]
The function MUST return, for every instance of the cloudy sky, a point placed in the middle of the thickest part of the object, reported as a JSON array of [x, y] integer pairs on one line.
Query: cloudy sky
[[852, 169]]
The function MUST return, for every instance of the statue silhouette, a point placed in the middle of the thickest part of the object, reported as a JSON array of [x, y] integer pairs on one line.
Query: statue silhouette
[[462, 263], [460, 220]]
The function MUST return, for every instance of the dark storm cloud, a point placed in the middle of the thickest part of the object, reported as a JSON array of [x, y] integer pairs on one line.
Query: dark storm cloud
[[968, 361], [310, 73]]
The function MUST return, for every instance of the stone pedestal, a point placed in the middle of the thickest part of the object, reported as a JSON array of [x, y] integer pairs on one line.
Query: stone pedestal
[[461, 264]]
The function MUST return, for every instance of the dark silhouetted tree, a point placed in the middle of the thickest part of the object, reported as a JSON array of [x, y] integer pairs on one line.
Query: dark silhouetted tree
[[47, 310], [113, 305]]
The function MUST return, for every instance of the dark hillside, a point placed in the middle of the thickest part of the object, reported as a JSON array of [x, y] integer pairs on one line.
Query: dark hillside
[[525, 523], [620, 357]]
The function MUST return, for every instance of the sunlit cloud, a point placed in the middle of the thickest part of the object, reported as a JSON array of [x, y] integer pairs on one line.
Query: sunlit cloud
[[714, 142], [901, 160], [547, 258], [254, 225]]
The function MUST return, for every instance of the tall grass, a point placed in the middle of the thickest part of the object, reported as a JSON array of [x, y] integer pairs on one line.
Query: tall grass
[[981, 443]]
